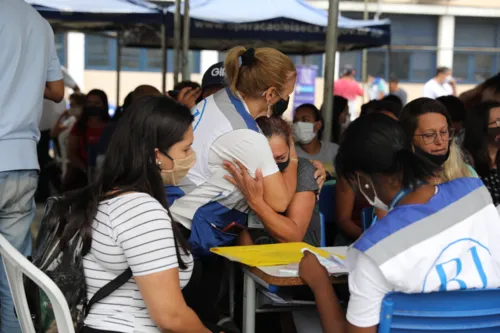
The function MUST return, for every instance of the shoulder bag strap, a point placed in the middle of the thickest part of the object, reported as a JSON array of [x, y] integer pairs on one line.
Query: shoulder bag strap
[[108, 288]]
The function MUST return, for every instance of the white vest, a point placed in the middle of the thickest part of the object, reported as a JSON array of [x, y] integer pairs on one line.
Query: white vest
[[448, 243]]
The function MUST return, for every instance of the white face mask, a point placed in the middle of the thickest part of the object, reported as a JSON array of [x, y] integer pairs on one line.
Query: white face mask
[[303, 132], [375, 202], [75, 111]]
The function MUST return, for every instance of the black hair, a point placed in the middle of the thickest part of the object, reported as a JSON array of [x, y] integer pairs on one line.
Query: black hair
[[369, 107], [476, 136], [420, 106], [130, 164], [339, 105], [183, 84], [274, 125], [127, 102], [442, 70], [393, 79], [78, 97], [454, 106], [392, 104], [318, 116], [377, 144]]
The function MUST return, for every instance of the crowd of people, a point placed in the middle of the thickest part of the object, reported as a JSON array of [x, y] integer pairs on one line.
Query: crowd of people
[[155, 187]]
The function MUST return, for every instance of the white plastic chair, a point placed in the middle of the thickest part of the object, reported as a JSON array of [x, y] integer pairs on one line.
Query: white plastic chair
[[15, 266]]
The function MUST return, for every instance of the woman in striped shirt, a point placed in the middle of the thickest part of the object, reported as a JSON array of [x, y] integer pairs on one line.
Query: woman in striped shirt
[[126, 223]]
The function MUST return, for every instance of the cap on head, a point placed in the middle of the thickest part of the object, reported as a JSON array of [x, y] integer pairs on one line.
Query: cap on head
[[215, 75]]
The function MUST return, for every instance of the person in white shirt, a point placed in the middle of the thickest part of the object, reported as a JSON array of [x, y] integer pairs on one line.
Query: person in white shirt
[[378, 87], [30, 71], [442, 84], [260, 82], [50, 116], [428, 232]]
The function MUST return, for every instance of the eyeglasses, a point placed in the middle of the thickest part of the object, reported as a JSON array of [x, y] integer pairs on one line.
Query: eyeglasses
[[430, 137], [495, 122]]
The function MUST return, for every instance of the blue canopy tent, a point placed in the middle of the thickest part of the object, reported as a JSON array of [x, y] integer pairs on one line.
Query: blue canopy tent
[[106, 15], [292, 26]]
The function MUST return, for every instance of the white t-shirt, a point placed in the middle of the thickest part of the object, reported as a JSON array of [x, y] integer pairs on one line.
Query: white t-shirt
[[134, 231], [417, 248], [224, 130], [433, 89]]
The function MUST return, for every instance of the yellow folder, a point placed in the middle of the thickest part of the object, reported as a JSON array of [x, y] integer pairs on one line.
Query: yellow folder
[[267, 255]]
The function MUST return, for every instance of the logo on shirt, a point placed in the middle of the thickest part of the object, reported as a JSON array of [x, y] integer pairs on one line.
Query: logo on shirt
[[460, 265], [197, 114]]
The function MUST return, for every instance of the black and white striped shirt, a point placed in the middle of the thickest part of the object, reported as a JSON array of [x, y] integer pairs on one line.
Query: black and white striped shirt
[[134, 231]]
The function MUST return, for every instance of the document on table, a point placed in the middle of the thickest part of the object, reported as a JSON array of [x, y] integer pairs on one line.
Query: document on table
[[267, 255]]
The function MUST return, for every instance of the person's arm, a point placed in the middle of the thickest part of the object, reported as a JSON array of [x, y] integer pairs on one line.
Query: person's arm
[[289, 228], [367, 287], [316, 277], [142, 229], [59, 126], [54, 86], [252, 150], [54, 91], [166, 305], [73, 151], [360, 92], [345, 198]]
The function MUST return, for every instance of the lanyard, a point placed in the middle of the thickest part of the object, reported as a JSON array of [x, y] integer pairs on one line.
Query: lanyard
[[394, 202]]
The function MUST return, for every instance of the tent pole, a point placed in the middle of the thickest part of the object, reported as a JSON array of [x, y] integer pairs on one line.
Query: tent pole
[[364, 58], [163, 58], [177, 40], [331, 48], [389, 61], [118, 66], [185, 42]]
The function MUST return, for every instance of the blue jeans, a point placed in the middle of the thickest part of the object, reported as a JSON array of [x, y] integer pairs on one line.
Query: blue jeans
[[17, 210]]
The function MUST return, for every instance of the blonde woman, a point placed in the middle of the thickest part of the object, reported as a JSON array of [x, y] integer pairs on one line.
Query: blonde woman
[[429, 125]]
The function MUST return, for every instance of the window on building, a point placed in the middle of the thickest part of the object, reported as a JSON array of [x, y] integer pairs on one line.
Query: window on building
[[477, 46], [100, 53], [60, 43], [413, 54]]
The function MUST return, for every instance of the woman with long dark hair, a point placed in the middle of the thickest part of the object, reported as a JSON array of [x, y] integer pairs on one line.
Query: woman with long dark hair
[[482, 142], [126, 223], [84, 137], [428, 232]]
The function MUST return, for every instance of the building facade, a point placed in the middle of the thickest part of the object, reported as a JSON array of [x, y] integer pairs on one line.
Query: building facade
[[461, 34]]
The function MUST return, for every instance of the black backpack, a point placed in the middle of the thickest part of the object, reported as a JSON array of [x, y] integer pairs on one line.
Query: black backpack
[[65, 267]]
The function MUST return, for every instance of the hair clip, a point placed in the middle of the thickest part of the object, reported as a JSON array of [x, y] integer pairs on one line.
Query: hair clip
[[246, 59]]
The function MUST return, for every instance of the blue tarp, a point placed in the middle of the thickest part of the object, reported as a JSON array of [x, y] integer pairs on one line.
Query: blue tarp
[[293, 26], [102, 14]]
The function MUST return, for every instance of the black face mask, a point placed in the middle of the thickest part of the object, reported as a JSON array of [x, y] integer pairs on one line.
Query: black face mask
[[94, 111], [436, 159], [283, 165], [280, 107], [492, 135]]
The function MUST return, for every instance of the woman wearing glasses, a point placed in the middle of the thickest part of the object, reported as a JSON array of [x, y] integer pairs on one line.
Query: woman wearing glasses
[[428, 123], [482, 142]]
